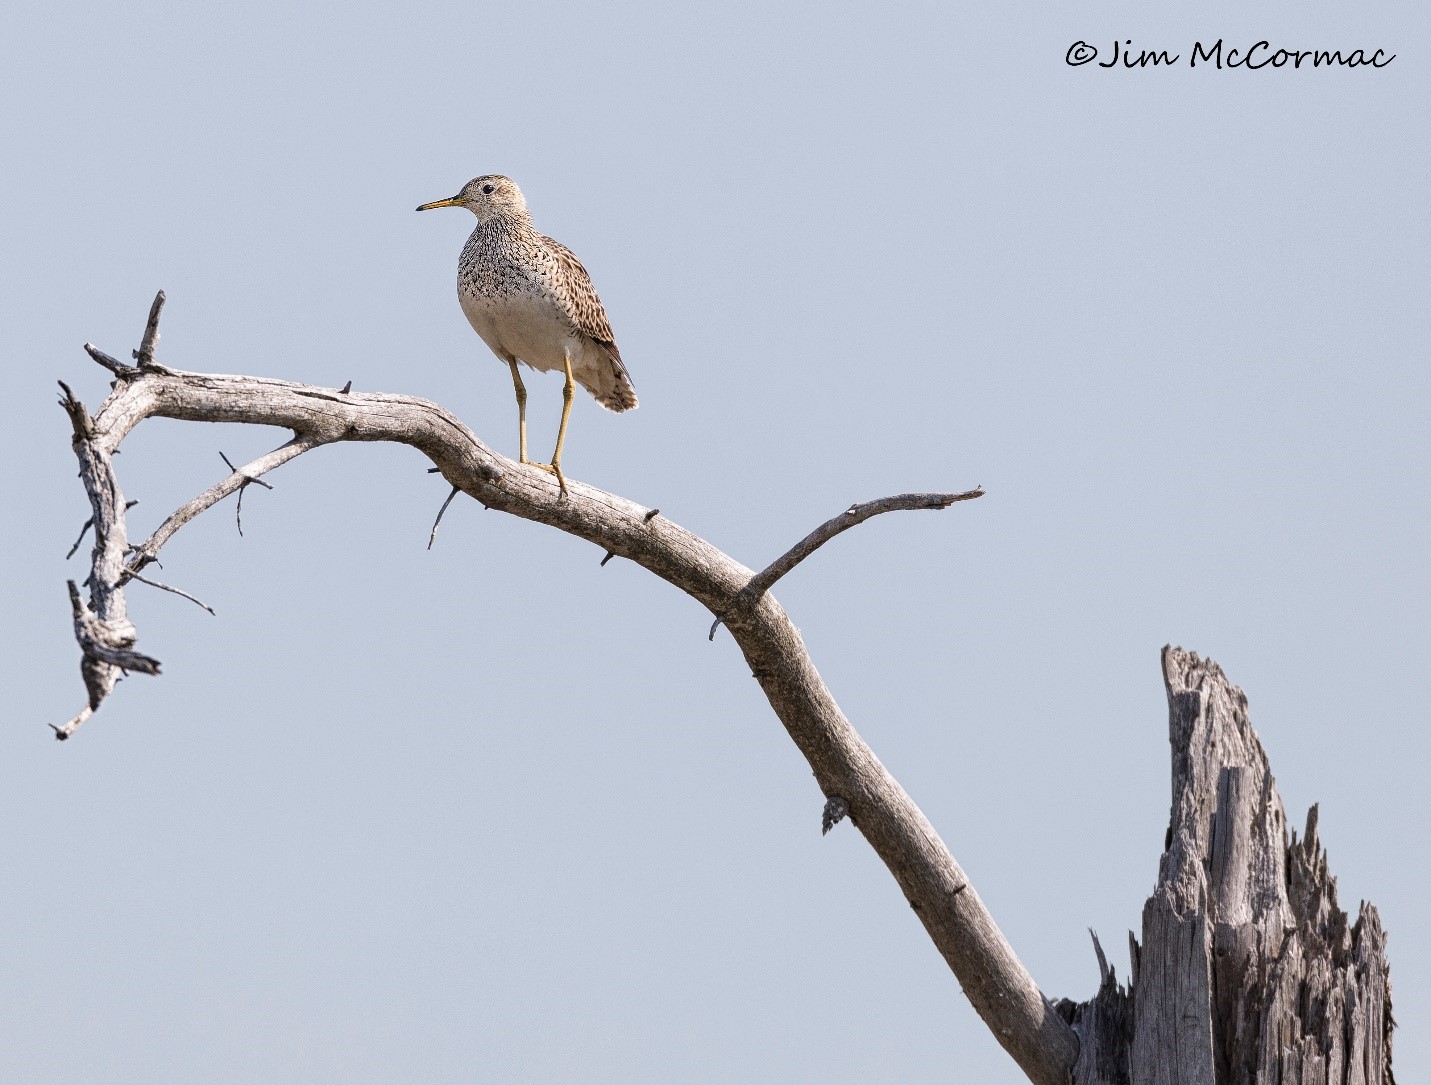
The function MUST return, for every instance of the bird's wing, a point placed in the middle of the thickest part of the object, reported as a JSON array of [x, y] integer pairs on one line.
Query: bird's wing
[[582, 305]]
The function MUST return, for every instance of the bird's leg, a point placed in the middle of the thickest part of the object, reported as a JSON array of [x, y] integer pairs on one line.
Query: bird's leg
[[521, 390], [568, 392]]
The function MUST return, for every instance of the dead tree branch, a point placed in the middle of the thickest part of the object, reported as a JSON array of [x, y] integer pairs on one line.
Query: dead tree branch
[[938, 890], [148, 550], [764, 580], [1248, 970]]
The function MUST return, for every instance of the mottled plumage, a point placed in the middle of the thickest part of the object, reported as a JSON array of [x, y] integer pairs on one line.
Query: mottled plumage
[[532, 302]]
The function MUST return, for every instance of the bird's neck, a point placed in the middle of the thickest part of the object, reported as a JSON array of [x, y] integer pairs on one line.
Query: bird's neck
[[511, 224]]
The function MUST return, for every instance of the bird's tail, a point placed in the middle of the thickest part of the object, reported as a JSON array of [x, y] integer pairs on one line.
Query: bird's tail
[[610, 384]]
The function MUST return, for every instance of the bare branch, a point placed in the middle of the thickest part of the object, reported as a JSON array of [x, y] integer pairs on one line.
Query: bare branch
[[114, 365], [83, 532], [171, 588], [148, 550], [106, 647], [145, 353], [763, 581], [992, 976], [433, 537], [80, 421]]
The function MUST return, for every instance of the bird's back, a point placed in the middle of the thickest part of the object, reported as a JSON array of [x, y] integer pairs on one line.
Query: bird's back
[[612, 385]]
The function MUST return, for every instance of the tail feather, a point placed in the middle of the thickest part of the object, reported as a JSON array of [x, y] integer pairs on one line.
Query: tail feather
[[609, 384]]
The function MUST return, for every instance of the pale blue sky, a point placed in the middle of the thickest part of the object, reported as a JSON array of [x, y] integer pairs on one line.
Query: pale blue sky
[[495, 814]]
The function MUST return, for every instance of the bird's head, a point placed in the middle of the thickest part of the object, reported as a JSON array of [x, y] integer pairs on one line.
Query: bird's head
[[489, 197]]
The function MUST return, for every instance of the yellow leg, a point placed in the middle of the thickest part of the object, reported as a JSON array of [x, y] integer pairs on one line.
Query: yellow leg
[[568, 393], [521, 390]]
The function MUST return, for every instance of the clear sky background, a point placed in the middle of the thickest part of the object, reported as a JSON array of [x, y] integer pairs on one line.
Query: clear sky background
[[495, 814]]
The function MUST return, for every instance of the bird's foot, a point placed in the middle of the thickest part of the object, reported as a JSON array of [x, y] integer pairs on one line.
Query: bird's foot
[[555, 469]]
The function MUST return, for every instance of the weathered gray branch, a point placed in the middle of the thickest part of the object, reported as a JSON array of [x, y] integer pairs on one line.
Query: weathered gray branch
[[239, 478], [997, 984], [1248, 973], [764, 580], [145, 353]]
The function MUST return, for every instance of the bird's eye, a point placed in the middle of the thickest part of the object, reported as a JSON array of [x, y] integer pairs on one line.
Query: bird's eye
[[489, 189]]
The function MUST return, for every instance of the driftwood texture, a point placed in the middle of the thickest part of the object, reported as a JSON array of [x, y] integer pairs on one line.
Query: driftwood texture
[[1248, 973], [1248, 970]]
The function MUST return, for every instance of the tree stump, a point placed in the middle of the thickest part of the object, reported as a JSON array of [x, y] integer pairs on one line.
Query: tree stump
[[1248, 972]]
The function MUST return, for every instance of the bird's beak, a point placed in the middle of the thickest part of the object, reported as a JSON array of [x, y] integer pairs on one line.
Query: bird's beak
[[453, 202]]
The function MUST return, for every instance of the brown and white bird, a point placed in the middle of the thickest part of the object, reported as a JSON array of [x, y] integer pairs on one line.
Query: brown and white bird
[[532, 302]]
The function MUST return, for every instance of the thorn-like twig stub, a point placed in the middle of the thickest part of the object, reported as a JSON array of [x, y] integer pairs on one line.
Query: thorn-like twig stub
[[83, 532], [89, 524], [80, 421], [652, 515], [433, 537], [114, 365], [247, 478], [145, 354], [343, 391], [835, 810], [609, 555]]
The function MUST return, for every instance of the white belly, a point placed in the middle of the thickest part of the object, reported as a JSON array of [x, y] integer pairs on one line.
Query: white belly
[[526, 327]]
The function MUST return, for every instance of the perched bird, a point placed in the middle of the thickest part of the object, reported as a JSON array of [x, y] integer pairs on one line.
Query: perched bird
[[531, 301]]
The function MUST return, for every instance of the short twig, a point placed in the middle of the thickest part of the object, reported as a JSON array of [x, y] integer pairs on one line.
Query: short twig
[[244, 485], [145, 354], [764, 580], [83, 532], [114, 365], [170, 587], [89, 524], [652, 515], [343, 391], [247, 478], [80, 421], [609, 555], [433, 537]]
